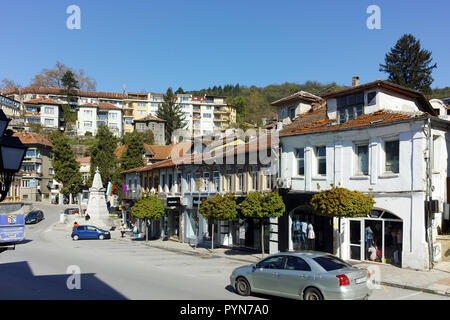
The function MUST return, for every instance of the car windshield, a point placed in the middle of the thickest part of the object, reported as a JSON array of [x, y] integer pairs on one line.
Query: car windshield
[[330, 263]]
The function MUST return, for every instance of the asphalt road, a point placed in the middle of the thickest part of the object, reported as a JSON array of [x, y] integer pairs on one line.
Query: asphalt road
[[41, 267]]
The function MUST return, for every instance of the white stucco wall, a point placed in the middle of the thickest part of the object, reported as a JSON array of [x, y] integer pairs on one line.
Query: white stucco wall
[[402, 194]]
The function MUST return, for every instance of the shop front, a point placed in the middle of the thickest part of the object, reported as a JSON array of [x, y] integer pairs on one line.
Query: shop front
[[246, 234], [299, 228], [377, 238], [171, 222]]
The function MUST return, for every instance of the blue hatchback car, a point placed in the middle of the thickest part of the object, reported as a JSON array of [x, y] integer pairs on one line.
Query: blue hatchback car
[[89, 232]]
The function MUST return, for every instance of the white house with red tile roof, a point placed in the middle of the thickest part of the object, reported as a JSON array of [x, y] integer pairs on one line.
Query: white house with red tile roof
[[374, 138], [44, 111]]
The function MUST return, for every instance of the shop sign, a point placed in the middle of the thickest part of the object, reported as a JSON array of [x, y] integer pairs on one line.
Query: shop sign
[[173, 201]]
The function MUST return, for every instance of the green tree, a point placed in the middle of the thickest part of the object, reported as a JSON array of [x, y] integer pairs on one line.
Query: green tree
[[65, 166], [148, 207], [263, 207], [179, 91], [102, 156], [171, 112], [341, 202], [36, 128], [132, 157], [70, 86], [409, 65], [219, 207]]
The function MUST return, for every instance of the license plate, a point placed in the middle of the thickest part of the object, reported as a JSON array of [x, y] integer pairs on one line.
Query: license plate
[[12, 236], [360, 280]]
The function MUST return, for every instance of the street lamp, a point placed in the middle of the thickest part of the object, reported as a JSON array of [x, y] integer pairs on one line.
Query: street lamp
[[12, 152]]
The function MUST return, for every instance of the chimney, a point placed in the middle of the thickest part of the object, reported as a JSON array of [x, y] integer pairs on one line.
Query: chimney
[[355, 81]]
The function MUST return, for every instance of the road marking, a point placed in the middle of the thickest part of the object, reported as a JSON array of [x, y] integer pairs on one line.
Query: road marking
[[409, 295], [387, 292]]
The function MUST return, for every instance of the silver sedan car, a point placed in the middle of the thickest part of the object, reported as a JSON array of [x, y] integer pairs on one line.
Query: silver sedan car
[[307, 275]]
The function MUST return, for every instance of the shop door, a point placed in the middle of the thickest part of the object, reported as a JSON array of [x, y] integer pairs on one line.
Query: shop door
[[355, 240]]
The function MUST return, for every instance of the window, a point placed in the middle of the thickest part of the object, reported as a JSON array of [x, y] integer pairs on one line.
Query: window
[[49, 110], [49, 122], [197, 180], [205, 181], [87, 124], [321, 160], [87, 113], [268, 180], [254, 177], [229, 182], [51, 171], [372, 98], [292, 113], [297, 263], [170, 181], [141, 112], [240, 181], [113, 115], [271, 263], [350, 107], [216, 181], [188, 182], [330, 263], [437, 110], [300, 153], [207, 115], [362, 155], [25, 183], [392, 150]]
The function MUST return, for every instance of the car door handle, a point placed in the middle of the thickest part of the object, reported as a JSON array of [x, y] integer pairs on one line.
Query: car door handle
[[275, 273]]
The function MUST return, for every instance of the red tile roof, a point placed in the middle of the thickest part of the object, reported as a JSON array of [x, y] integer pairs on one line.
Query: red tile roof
[[84, 160], [365, 120], [149, 117], [33, 138], [298, 96], [42, 101], [57, 91]]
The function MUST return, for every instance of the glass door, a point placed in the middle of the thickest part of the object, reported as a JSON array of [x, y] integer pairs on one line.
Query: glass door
[[355, 240]]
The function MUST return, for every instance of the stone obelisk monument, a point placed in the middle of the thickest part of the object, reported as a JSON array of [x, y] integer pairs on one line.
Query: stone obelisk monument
[[96, 208]]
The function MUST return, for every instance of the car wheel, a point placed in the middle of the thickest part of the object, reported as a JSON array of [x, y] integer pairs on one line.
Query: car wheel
[[101, 237], [312, 294], [242, 287], [76, 237]]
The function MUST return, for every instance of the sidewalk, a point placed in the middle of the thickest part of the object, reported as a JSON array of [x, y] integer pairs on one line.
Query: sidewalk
[[436, 281]]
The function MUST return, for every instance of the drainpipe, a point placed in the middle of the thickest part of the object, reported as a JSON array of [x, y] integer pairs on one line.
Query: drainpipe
[[430, 190]]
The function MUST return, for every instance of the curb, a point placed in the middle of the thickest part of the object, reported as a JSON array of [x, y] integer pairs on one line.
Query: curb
[[415, 288], [193, 253]]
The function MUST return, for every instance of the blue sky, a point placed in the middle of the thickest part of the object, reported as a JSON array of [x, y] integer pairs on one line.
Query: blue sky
[[151, 45]]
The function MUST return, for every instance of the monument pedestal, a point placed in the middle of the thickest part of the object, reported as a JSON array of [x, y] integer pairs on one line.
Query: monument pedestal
[[96, 208]]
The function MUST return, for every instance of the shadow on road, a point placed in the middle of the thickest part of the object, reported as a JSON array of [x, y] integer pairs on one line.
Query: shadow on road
[[19, 283], [229, 288]]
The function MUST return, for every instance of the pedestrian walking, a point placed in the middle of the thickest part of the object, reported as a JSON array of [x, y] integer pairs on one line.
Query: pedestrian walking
[[122, 229], [87, 217], [75, 225]]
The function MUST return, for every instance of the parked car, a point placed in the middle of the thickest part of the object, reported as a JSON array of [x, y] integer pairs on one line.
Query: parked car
[[307, 275], [34, 216], [71, 211], [89, 232]]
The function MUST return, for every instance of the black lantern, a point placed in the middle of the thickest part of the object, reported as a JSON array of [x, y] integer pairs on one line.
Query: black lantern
[[12, 152]]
